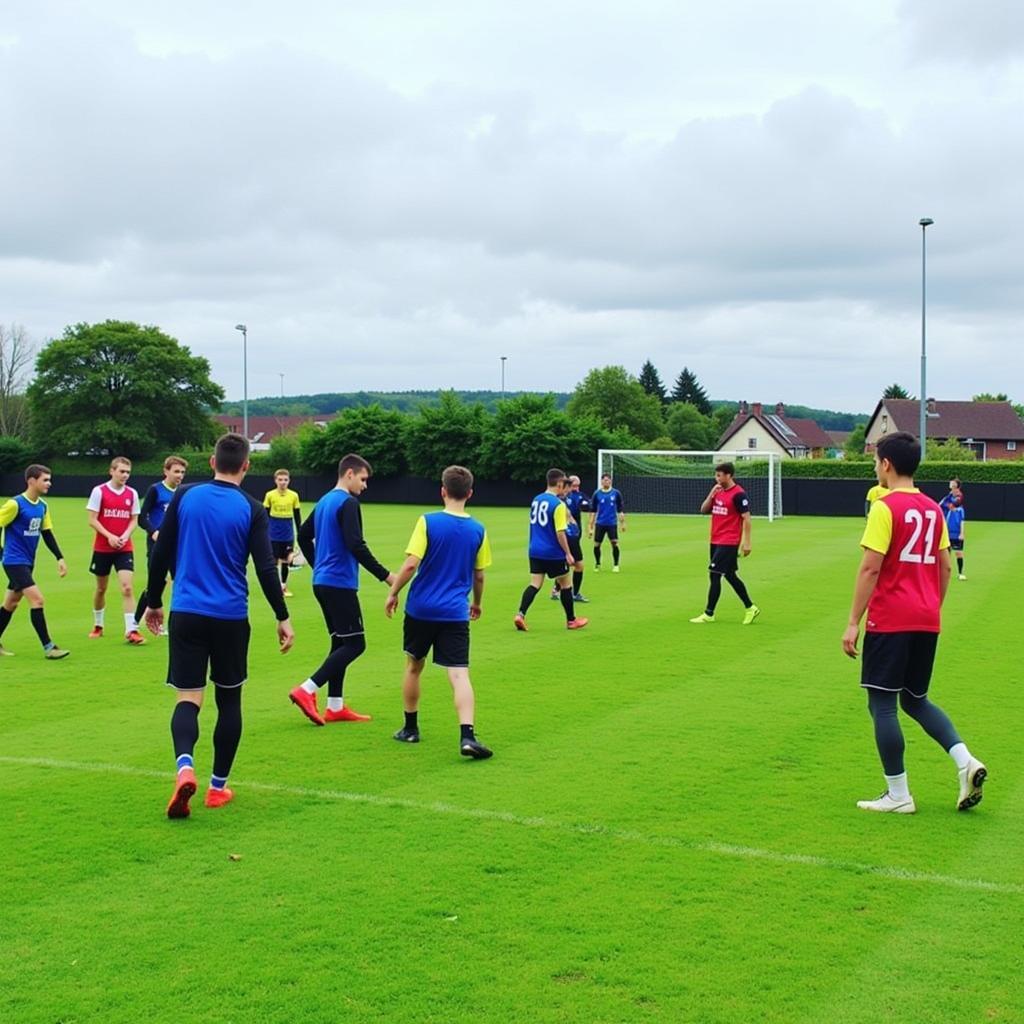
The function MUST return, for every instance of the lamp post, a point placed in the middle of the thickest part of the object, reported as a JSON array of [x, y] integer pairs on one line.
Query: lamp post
[[281, 375], [503, 358], [924, 222], [245, 378]]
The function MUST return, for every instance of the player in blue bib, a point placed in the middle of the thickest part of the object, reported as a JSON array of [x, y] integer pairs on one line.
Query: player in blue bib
[[549, 550], [576, 502], [151, 515], [952, 506], [27, 520], [607, 518], [448, 553]]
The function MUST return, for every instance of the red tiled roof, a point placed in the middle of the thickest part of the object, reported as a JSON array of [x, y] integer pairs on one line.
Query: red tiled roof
[[983, 421], [789, 433], [264, 428]]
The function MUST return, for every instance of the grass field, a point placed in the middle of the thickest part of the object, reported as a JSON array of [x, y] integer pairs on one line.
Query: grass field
[[667, 831]]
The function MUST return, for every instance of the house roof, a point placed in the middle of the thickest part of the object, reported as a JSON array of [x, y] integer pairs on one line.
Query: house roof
[[983, 421], [839, 437], [264, 428], [788, 432]]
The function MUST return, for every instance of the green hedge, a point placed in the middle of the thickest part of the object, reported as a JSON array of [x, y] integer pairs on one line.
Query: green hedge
[[996, 472]]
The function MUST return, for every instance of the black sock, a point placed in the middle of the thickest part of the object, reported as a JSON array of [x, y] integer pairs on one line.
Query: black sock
[[185, 727], [284, 573], [228, 731], [38, 617], [528, 595], [5, 617], [412, 721], [577, 582], [597, 554], [615, 554], [467, 732], [960, 565], [566, 596]]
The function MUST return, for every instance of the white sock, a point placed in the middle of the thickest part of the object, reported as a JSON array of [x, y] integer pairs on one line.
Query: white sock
[[309, 686], [335, 703], [961, 755], [130, 625], [97, 617], [898, 788]]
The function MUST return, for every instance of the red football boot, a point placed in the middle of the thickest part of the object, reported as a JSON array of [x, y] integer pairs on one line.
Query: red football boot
[[346, 715], [306, 703], [184, 790], [219, 797]]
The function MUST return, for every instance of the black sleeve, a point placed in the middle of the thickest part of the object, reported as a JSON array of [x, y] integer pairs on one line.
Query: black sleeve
[[148, 504], [51, 542], [741, 502], [262, 559], [350, 519], [307, 540], [165, 551], [298, 519]]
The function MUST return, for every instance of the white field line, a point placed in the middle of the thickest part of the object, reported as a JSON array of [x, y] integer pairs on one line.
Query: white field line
[[569, 828]]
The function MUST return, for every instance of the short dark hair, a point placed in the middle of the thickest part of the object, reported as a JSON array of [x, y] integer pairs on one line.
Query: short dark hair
[[35, 471], [726, 467], [174, 460], [606, 476], [355, 463], [555, 476], [903, 451], [231, 453], [457, 481], [955, 480]]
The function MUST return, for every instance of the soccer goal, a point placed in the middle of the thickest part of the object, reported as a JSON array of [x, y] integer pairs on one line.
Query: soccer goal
[[677, 482]]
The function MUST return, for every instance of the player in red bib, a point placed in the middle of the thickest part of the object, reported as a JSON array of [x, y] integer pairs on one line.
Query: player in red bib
[[113, 513], [901, 583], [730, 536]]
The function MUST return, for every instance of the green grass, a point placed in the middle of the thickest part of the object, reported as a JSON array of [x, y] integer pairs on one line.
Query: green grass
[[666, 833]]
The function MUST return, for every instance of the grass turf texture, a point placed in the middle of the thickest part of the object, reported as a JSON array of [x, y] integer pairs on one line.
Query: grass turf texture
[[666, 833]]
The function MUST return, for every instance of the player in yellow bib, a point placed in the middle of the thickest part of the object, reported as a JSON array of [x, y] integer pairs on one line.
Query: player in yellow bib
[[284, 506]]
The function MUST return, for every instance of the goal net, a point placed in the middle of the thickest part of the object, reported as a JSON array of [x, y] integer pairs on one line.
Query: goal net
[[677, 481]]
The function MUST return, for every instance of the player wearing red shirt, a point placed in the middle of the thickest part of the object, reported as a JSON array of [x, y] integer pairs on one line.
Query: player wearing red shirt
[[730, 535], [901, 583], [113, 512]]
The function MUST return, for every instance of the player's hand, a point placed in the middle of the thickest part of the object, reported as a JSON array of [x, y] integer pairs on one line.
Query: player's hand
[[119, 542], [62, 568], [850, 638], [391, 605], [291, 557], [622, 527], [569, 560], [285, 634], [718, 488], [154, 620], [156, 534], [745, 550], [475, 611]]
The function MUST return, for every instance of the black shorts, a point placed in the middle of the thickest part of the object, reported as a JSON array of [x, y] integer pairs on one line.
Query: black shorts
[[341, 610], [200, 643], [600, 532], [575, 548], [956, 545], [104, 561], [553, 568], [724, 558], [282, 549], [898, 661], [19, 577], [450, 641]]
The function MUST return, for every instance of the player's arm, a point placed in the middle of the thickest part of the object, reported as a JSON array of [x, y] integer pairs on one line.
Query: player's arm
[[46, 533], [399, 581], [593, 514], [307, 541], [483, 560], [262, 555], [620, 510], [745, 538], [350, 519], [8, 512], [560, 520], [148, 504], [875, 543], [705, 505]]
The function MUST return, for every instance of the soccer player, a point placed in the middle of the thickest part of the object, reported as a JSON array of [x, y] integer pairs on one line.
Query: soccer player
[[730, 537], [285, 521], [549, 550], [901, 583], [154, 507], [448, 553], [952, 506], [209, 533], [26, 519], [575, 502], [332, 541], [606, 520], [874, 493], [113, 514]]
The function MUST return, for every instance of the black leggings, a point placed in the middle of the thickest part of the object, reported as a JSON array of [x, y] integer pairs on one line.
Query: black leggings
[[883, 704], [715, 590], [344, 650]]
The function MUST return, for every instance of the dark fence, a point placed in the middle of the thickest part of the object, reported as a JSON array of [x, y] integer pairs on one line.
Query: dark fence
[[800, 496]]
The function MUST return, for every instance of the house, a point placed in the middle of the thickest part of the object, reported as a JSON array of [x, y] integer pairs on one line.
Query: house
[[752, 429], [263, 429], [992, 429]]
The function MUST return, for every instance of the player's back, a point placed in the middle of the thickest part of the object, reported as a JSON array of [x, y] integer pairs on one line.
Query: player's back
[[445, 575], [544, 519]]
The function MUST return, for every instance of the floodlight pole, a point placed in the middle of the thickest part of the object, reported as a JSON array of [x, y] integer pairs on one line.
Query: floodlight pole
[[503, 358], [245, 378], [281, 375], [924, 222]]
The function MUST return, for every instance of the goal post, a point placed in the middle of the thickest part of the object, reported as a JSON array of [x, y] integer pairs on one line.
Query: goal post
[[677, 482]]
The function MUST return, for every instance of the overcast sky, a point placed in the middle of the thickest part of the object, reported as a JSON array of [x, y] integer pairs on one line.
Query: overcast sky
[[392, 194]]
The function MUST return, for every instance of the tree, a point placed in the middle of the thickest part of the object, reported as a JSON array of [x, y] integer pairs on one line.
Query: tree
[[896, 391], [690, 428], [377, 434], [123, 389], [445, 434], [16, 352], [650, 381], [987, 396], [950, 450], [688, 389], [615, 399], [854, 447]]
